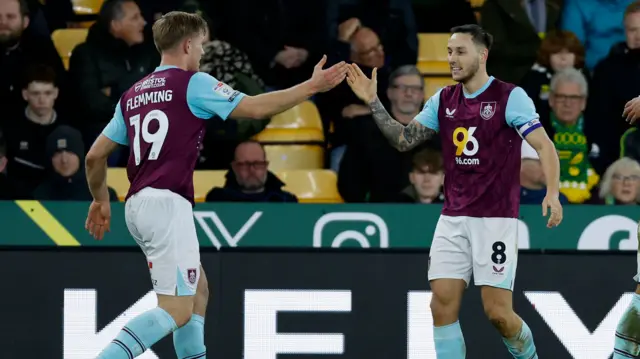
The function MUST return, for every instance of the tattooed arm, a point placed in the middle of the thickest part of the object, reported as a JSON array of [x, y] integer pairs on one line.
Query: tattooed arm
[[402, 137]]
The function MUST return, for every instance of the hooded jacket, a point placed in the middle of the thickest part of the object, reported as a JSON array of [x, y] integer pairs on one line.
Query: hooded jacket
[[57, 187], [231, 191], [104, 61], [604, 124]]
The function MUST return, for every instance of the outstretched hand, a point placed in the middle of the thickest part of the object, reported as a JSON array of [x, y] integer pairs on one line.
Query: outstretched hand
[[99, 219], [366, 89], [632, 110], [324, 80]]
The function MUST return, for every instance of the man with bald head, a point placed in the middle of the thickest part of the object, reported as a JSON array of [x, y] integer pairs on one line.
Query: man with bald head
[[249, 179], [361, 45]]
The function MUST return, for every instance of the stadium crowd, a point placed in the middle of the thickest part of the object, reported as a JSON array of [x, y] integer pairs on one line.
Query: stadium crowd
[[577, 59]]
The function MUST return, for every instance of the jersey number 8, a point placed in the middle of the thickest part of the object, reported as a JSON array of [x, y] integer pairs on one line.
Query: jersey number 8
[[156, 140], [467, 137]]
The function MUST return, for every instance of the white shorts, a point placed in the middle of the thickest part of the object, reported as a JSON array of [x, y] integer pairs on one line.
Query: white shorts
[[162, 224], [484, 247]]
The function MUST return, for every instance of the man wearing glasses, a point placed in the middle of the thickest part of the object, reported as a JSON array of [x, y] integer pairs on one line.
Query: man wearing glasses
[[250, 180], [372, 169], [566, 127]]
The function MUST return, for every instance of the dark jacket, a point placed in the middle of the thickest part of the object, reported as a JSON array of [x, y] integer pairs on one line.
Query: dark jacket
[[26, 142], [536, 196], [231, 191], [106, 62], [516, 41], [616, 80], [11, 190], [17, 60], [59, 188], [410, 195]]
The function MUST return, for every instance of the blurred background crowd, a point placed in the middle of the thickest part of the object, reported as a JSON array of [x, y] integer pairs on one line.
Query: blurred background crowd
[[65, 63]]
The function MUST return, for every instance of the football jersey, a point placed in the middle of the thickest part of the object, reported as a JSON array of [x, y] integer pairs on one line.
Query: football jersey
[[481, 136], [161, 119]]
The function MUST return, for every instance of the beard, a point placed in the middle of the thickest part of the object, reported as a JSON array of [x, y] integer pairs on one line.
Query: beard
[[8, 40], [471, 71]]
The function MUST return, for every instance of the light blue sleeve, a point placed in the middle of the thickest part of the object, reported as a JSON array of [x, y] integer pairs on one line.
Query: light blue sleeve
[[428, 117], [207, 97], [116, 130], [521, 112]]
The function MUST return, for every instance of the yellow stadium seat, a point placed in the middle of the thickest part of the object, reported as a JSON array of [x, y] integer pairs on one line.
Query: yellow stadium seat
[[433, 84], [314, 186], [294, 157], [117, 179], [204, 181], [432, 54], [87, 7], [310, 186], [65, 40], [301, 123]]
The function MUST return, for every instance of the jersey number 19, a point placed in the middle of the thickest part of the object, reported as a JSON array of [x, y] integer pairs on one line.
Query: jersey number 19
[[156, 140]]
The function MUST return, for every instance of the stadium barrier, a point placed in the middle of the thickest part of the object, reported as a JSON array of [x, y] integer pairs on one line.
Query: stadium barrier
[[33, 223], [70, 302]]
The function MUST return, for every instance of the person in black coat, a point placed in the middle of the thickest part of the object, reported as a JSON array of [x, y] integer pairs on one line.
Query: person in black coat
[[66, 179], [250, 180]]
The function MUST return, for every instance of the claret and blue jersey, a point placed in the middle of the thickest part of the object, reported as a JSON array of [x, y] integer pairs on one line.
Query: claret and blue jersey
[[161, 118], [481, 139]]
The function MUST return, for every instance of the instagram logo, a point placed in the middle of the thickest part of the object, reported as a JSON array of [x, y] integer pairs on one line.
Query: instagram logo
[[350, 229]]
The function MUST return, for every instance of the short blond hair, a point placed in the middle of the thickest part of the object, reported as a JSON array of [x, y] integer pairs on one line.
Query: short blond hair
[[175, 26]]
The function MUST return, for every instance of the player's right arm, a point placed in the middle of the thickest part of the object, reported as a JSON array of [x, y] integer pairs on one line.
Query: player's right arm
[[207, 96], [403, 138], [272, 103], [114, 134]]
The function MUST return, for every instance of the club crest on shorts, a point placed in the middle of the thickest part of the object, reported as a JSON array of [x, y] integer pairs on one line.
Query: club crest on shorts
[[191, 274], [488, 109]]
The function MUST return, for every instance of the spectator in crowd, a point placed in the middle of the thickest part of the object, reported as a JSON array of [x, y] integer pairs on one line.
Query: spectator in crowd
[[112, 59], [231, 66], [66, 180], [612, 86], [517, 27], [283, 38], [19, 51], [597, 23], [620, 183], [439, 16], [340, 105], [10, 190], [566, 127], [426, 177], [373, 170], [559, 50], [27, 130], [250, 179], [631, 144], [392, 20], [533, 185]]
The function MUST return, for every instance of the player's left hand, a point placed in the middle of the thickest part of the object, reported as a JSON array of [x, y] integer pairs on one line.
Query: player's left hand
[[99, 219], [324, 80], [632, 110], [553, 203]]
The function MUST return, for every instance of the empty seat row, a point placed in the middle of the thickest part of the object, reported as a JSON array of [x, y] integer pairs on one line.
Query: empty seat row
[[310, 186]]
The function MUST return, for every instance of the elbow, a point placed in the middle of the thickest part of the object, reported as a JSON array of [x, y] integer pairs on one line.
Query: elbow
[[93, 159], [254, 109]]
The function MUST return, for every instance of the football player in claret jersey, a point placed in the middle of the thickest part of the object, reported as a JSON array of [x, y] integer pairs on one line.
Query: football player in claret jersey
[[627, 335], [162, 119], [481, 121]]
